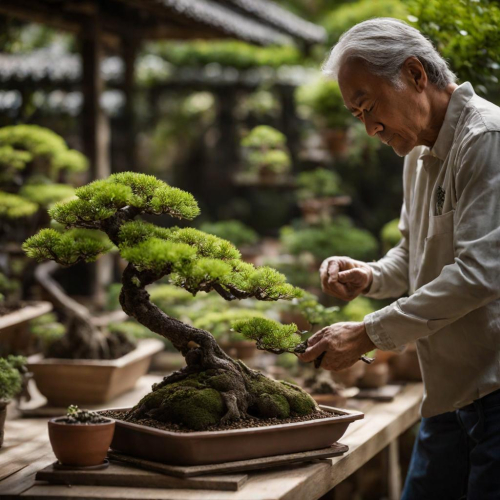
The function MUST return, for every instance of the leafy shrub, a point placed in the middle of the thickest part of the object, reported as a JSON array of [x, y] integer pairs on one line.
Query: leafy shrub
[[466, 33], [10, 379], [347, 15], [329, 240]]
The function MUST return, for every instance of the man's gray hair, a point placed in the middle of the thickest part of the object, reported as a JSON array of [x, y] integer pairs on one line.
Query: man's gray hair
[[385, 44]]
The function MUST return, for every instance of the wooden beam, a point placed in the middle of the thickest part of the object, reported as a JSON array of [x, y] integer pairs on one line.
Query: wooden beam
[[95, 124]]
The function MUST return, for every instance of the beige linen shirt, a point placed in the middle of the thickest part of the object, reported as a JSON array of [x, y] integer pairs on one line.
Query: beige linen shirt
[[448, 261]]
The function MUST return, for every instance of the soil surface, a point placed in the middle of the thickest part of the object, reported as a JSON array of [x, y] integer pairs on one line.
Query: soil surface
[[238, 424]]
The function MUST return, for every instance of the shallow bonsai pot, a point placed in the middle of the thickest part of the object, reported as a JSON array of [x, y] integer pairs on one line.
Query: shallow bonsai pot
[[3, 416], [14, 334], [88, 381], [80, 445], [212, 447]]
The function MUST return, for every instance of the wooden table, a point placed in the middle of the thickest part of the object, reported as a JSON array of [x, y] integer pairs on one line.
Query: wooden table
[[26, 450]]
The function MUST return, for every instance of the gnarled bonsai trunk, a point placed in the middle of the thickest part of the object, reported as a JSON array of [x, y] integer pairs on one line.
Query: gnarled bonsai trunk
[[84, 340], [212, 388]]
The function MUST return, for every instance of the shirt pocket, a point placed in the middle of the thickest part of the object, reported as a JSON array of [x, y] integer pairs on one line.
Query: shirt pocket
[[439, 250]]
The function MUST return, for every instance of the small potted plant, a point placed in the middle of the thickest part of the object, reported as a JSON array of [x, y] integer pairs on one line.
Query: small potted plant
[[266, 155], [81, 438], [11, 382]]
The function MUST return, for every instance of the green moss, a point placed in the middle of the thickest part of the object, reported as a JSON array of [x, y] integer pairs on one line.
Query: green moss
[[190, 402], [300, 403], [273, 406], [196, 402]]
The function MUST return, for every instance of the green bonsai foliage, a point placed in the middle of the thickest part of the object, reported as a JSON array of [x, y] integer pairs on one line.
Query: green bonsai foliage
[[192, 260], [318, 183], [220, 324], [10, 377], [266, 152], [322, 101], [233, 230], [33, 157], [236, 54], [270, 335]]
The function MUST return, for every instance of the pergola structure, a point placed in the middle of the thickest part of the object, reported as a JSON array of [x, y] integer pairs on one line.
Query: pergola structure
[[123, 25]]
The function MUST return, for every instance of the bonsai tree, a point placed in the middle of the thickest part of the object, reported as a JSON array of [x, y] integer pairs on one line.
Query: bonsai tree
[[34, 161], [266, 152], [212, 388]]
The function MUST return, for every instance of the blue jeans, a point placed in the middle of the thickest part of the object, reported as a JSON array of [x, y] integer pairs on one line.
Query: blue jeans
[[457, 454]]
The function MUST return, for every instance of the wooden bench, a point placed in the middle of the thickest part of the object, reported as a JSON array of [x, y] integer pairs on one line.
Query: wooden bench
[[26, 450]]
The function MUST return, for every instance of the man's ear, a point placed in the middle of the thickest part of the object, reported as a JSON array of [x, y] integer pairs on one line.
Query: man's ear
[[415, 74]]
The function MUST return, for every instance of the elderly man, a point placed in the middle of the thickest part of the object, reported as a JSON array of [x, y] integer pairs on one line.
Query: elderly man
[[448, 260]]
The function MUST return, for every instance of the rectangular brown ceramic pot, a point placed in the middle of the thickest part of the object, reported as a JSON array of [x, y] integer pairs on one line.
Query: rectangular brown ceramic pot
[[88, 381], [14, 333], [212, 447]]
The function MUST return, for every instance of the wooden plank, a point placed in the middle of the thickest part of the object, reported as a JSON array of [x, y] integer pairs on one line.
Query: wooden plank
[[118, 474], [24, 479], [244, 465]]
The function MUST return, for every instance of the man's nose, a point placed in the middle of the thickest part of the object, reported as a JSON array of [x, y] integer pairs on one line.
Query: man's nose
[[372, 126]]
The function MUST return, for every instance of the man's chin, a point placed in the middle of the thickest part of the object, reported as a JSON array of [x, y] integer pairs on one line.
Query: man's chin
[[401, 148]]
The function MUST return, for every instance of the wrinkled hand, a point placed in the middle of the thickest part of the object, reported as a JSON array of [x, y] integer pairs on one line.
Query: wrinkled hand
[[343, 343], [345, 278]]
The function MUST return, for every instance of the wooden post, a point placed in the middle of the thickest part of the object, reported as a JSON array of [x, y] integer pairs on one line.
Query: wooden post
[[96, 130], [289, 122], [96, 133], [394, 487], [127, 129]]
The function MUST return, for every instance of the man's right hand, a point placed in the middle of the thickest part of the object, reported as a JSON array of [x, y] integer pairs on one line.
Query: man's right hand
[[345, 278]]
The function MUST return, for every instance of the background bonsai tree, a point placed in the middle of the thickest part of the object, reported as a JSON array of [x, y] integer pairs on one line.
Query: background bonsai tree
[[34, 163], [212, 388], [266, 153]]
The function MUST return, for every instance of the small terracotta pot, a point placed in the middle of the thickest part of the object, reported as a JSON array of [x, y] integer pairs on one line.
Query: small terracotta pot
[[351, 375], [80, 445], [376, 375], [3, 416], [405, 366]]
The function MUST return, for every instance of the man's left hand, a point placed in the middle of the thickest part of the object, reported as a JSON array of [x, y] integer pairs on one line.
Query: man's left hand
[[343, 343]]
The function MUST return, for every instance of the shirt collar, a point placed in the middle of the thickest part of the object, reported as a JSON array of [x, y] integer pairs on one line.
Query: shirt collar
[[460, 97]]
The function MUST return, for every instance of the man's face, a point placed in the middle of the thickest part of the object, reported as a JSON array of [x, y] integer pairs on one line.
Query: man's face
[[394, 115]]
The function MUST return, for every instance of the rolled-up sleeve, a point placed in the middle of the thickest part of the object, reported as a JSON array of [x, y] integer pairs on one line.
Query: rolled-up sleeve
[[473, 279]]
